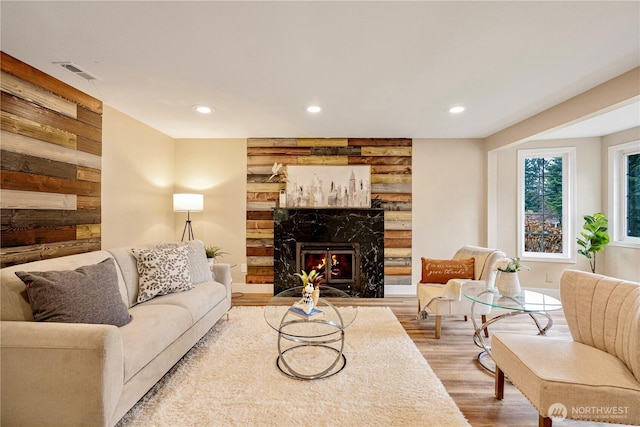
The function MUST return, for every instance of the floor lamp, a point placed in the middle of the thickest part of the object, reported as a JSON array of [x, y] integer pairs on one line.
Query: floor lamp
[[188, 202]]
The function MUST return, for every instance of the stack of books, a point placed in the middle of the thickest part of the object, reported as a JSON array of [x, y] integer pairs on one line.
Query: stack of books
[[299, 312]]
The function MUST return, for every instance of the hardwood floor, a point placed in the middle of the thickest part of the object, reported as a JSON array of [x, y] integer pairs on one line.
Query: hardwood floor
[[453, 359]]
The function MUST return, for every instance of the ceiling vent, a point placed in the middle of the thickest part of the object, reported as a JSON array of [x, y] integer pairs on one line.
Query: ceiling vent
[[73, 68]]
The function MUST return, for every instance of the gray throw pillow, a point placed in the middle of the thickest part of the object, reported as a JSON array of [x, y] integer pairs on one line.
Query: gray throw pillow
[[199, 267], [162, 271], [88, 294]]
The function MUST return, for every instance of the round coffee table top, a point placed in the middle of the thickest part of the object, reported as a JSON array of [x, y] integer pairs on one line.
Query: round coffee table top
[[525, 301], [338, 308]]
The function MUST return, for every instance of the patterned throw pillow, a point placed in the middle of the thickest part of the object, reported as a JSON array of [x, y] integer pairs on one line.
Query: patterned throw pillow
[[198, 265], [442, 270], [162, 271], [88, 294]]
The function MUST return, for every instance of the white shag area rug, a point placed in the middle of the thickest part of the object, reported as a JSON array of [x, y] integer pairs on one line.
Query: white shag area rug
[[230, 378]]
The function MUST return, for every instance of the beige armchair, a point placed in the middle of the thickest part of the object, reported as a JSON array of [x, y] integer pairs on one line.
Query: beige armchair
[[447, 299], [595, 376]]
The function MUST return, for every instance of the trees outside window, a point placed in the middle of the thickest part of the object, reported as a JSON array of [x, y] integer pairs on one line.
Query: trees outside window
[[544, 191], [624, 193], [633, 195], [543, 204]]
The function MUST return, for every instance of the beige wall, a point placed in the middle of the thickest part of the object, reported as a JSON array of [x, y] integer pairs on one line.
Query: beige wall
[[589, 200], [137, 182], [455, 195], [216, 168], [620, 261], [449, 198], [142, 168]]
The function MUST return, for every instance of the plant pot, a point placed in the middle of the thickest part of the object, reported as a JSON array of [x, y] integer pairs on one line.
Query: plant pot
[[315, 295], [508, 284]]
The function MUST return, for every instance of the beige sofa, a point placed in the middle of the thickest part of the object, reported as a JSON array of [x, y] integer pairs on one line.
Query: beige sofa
[[595, 376], [78, 374]]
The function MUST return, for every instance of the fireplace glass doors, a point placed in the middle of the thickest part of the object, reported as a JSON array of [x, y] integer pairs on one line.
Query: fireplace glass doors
[[339, 263]]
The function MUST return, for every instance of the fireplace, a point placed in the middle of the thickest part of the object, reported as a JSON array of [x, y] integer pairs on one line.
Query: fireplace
[[339, 263], [354, 237]]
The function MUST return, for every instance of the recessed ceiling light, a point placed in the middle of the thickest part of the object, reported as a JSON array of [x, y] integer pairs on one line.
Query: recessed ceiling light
[[457, 109], [204, 109], [314, 109]]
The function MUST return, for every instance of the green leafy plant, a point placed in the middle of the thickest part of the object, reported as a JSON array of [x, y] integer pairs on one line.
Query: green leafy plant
[[214, 251], [594, 237], [508, 265]]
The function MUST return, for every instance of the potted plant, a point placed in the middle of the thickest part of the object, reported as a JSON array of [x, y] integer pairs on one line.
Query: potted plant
[[594, 237], [507, 280], [214, 251]]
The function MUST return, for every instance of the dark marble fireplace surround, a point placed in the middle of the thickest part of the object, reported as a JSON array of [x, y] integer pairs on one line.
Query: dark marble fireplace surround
[[331, 226]]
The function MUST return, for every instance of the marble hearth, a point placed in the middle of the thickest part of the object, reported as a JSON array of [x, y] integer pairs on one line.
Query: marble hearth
[[364, 227]]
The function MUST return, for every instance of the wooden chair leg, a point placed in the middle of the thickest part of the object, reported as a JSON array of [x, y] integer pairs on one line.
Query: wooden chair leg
[[438, 326], [499, 384], [486, 330], [544, 421]]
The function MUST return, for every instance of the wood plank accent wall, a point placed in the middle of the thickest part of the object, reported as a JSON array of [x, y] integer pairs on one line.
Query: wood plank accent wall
[[51, 161], [391, 171]]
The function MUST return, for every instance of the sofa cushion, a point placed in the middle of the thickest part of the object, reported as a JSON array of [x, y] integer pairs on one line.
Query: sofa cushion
[[198, 264], [443, 270], [153, 329], [162, 271], [198, 301], [88, 294]]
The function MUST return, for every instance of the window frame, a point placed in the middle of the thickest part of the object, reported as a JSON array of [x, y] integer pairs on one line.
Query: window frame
[[568, 253], [617, 156]]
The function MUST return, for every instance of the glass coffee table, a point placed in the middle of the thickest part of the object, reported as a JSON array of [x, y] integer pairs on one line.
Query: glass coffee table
[[311, 348], [526, 302]]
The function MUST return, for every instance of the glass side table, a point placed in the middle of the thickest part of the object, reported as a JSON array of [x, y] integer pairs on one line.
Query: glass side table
[[526, 302], [311, 348]]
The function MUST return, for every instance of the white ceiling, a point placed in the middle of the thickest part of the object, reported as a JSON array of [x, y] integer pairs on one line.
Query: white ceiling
[[378, 69]]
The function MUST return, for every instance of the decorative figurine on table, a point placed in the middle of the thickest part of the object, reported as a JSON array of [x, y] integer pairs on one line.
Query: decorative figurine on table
[[313, 278], [306, 303]]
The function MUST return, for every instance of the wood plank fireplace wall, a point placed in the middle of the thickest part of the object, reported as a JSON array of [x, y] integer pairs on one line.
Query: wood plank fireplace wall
[[391, 171]]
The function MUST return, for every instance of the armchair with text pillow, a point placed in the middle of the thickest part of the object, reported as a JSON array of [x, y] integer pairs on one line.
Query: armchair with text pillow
[[440, 288]]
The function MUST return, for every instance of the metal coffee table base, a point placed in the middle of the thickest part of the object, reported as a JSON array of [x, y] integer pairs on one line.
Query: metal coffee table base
[[335, 365], [480, 330]]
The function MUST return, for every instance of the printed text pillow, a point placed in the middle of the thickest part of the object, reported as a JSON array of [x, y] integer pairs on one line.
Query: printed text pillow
[[442, 270]]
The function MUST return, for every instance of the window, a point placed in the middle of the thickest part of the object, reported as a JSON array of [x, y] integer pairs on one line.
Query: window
[[624, 193], [545, 207]]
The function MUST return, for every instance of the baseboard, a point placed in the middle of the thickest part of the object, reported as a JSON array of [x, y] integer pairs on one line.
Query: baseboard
[[252, 288], [400, 290], [389, 290], [267, 288]]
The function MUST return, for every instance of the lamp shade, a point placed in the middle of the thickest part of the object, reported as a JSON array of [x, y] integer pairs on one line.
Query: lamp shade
[[188, 202]]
